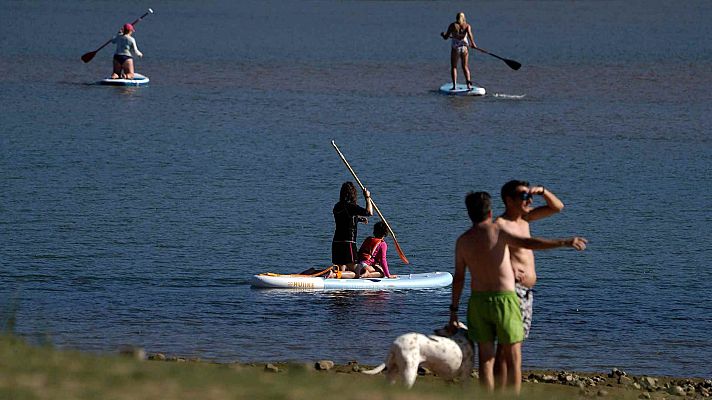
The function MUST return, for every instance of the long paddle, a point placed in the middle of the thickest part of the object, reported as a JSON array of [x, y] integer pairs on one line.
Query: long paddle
[[398, 248], [90, 55], [511, 63]]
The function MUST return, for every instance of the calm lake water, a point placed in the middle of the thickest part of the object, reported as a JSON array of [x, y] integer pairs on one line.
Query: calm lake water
[[136, 216]]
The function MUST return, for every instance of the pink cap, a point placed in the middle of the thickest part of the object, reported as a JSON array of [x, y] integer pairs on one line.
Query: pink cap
[[128, 28]]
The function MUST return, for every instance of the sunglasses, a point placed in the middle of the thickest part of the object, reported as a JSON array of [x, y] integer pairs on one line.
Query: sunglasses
[[524, 196]]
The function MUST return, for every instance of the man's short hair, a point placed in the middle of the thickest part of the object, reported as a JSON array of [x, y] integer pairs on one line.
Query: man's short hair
[[479, 205], [510, 188]]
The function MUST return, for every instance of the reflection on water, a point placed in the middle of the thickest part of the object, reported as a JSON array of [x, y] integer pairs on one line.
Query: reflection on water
[[372, 301], [333, 300]]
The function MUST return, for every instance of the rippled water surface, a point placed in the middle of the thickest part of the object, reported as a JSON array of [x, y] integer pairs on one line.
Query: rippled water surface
[[136, 216]]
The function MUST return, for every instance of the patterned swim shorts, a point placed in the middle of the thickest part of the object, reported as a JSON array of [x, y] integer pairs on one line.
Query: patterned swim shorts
[[526, 305]]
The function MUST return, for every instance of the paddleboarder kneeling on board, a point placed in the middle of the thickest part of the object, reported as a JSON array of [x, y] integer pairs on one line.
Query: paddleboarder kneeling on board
[[461, 34], [372, 255], [123, 61]]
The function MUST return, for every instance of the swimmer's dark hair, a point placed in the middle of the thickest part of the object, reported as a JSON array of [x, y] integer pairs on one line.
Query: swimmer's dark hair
[[380, 230], [348, 193], [510, 189], [479, 205]]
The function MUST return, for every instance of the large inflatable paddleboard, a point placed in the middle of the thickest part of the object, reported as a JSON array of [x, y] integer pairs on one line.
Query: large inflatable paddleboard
[[430, 280], [138, 80], [462, 90]]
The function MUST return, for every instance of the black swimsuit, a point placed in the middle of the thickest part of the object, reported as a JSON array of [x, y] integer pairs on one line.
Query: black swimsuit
[[343, 245], [121, 59]]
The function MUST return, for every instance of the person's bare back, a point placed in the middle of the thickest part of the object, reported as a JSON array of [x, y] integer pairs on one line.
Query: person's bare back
[[483, 250]]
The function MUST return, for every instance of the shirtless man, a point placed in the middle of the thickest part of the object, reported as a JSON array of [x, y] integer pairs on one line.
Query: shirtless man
[[517, 197], [493, 309]]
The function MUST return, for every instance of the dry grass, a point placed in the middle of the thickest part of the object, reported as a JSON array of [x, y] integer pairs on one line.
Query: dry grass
[[28, 372]]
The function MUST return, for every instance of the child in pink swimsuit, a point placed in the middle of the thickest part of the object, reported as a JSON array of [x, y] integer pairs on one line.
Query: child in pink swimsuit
[[372, 261]]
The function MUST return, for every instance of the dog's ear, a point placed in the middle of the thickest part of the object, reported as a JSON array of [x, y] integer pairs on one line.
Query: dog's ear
[[442, 332]]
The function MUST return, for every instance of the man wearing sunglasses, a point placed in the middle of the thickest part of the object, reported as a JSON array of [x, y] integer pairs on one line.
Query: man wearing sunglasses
[[518, 197]]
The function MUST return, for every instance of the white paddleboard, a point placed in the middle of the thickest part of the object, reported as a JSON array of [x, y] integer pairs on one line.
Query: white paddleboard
[[138, 80], [429, 280], [462, 90]]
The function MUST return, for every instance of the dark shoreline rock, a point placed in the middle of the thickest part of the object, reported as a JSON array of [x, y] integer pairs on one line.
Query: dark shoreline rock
[[681, 387]]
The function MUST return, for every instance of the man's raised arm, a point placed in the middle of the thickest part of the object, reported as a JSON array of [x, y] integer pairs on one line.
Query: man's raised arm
[[537, 243]]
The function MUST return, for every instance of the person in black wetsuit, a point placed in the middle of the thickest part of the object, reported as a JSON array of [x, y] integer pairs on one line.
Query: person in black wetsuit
[[347, 215]]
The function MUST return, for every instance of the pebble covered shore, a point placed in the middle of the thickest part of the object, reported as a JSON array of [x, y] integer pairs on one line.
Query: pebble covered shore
[[589, 384]]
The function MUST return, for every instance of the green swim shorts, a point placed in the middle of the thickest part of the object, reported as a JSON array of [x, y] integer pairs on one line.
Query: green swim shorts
[[495, 315]]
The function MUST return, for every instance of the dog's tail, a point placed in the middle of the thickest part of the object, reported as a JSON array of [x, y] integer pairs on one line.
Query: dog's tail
[[375, 370]]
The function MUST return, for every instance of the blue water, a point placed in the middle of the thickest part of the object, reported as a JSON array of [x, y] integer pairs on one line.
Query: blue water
[[135, 216]]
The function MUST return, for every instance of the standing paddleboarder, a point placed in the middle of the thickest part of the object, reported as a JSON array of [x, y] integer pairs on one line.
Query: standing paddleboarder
[[347, 215], [461, 34]]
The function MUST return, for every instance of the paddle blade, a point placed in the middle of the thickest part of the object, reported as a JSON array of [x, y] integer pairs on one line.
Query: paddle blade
[[513, 64], [400, 253], [88, 56]]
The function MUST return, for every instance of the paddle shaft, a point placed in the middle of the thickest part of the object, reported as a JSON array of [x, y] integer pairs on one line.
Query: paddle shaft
[[390, 230], [90, 55], [511, 63]]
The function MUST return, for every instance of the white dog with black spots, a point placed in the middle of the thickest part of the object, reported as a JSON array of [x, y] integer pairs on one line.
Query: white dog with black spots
[[448, 357]]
